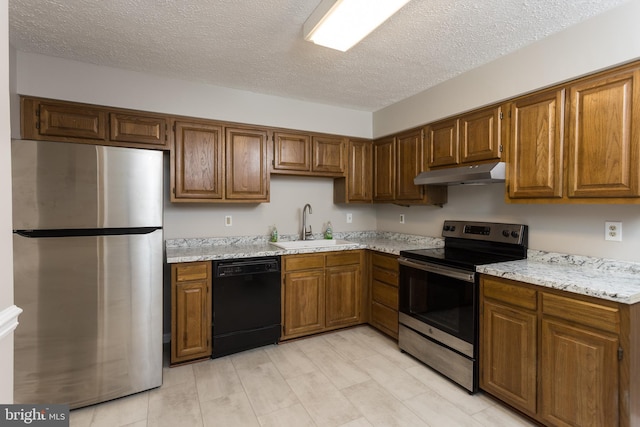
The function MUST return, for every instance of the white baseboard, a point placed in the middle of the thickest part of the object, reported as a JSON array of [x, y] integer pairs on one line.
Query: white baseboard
[[9, 320]]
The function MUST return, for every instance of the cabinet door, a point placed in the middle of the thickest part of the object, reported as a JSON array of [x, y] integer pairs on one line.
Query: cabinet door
[[442, 141], [139, 129], [604, 138], [191, 311], [72, 121], [304, 302], [480, 135], [328, 155], [292, 152], [357, 186], [579, 376], [199, 162], [410, 162], [247, 176], [343, 293], [509, 356], [537, 131], [384, 169]]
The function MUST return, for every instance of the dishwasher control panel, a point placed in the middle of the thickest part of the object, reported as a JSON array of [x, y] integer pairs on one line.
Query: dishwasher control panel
[[246, 266]]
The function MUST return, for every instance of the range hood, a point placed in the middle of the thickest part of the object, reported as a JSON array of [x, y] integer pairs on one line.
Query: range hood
[[485, 173]]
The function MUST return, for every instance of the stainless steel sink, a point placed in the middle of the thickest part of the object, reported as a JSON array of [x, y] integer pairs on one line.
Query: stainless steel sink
[[310, 244]]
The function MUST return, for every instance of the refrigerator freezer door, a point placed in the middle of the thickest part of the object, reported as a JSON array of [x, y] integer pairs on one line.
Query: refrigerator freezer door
[[61, 186], [91, 329]]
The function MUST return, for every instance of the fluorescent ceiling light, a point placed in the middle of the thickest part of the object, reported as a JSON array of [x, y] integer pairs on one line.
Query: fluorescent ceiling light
[[340, 24]]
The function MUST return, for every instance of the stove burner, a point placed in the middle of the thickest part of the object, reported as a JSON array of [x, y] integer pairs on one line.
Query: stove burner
[[468, 244]]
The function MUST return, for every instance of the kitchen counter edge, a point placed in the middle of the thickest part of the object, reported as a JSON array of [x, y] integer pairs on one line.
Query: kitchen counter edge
[[607, 279], [210, 249]]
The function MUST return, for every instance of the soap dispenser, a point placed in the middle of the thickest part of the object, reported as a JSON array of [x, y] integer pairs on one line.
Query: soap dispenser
[[274, 234], [328, 233]]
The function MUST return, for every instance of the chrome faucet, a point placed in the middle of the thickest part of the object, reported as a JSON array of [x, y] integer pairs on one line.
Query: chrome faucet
[[306, 235]]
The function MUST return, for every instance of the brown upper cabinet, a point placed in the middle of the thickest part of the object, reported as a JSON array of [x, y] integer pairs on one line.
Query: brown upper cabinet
[[357, 186], [443, 141], [197, 165], [470, 138], [578, 143], [384, 169], [397, 161], [481, 135], [603, 135], [210, 163], [535, 161], [306, 154], [44, 119], [247, 172]]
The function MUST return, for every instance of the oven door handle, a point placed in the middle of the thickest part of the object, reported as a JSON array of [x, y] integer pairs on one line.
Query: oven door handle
[[438, 269]]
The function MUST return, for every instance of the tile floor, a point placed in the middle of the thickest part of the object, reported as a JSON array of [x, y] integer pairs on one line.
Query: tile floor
[[354, 377]]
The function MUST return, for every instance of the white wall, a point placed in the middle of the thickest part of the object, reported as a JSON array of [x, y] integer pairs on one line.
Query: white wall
[[56, 78], [574, 229], [606, 40], [288, 196], [6, 245]]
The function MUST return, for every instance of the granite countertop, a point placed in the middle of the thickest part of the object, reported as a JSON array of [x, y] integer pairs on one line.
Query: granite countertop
[[612, 280], [215, 248]]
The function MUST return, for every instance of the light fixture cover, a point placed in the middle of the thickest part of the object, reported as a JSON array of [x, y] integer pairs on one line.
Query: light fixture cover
[[340, 24]]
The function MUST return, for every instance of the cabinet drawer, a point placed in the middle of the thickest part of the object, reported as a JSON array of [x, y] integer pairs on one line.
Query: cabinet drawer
[[385, 317], [343, 258], [386, 262], [384, 294], [192, 271], [303, 262], [385, 276], [509, 292], [599, 316]]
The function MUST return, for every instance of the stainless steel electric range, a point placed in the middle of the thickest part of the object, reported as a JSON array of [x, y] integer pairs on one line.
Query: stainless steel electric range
[[439, 293]]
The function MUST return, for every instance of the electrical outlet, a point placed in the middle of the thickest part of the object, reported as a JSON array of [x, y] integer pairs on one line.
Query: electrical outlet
[[613, 231], [401, 218], [228, 221], [349, 218]]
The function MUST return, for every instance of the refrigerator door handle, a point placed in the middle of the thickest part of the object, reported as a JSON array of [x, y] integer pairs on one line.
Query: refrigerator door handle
[[85, 232]]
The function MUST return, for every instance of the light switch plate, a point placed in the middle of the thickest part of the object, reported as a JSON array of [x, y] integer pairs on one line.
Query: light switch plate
[[228, 221]]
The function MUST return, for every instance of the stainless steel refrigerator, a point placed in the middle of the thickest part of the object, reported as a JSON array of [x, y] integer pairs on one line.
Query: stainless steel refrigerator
[[87, 223]]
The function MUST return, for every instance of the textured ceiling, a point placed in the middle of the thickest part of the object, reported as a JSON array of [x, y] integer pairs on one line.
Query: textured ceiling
[[257, 45]]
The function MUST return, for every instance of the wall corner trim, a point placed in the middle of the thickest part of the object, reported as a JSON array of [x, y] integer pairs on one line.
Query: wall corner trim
[[9, 320]]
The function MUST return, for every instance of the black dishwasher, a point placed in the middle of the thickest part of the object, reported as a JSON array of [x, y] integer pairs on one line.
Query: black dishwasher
[[246, 304]]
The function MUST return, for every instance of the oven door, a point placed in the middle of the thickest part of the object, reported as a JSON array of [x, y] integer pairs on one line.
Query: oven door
[[440, 302]]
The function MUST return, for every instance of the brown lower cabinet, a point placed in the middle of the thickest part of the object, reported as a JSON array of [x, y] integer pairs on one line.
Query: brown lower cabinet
[[384, 293], [321, 292], [561, 358], [190, 311]]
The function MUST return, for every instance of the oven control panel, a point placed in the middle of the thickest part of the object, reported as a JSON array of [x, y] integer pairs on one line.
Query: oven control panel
[[486, 231]]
